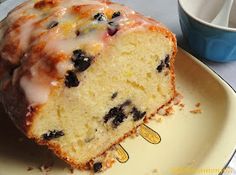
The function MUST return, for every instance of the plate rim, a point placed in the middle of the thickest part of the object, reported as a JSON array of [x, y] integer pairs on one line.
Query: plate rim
[[230, 91]]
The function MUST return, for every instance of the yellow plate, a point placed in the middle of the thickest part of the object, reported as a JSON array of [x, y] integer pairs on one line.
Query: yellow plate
[[189, 143]]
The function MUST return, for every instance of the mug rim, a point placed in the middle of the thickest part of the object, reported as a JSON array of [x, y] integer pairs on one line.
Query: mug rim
[[230, 29]]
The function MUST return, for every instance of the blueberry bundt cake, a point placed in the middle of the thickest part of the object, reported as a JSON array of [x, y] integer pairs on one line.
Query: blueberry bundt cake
[[80, 75]]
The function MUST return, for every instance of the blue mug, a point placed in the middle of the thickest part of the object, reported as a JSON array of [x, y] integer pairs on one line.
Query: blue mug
[[206, 40]]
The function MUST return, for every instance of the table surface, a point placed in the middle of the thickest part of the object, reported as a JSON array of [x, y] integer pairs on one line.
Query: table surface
[[166, 11]]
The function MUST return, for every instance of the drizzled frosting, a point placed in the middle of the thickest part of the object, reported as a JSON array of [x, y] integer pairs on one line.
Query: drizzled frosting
[[39, 37]]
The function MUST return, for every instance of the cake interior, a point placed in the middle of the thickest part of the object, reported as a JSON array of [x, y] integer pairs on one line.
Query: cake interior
[[129, 81]]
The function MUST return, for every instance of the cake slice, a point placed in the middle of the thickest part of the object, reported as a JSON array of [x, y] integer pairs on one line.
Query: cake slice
[[80, 75]]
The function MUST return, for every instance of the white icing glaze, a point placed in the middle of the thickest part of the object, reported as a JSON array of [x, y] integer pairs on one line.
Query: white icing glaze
[[35, 92], [61, 39], [63, 67], [25, 29]]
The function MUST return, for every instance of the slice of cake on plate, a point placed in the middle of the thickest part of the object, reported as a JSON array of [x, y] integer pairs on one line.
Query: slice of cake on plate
[[80, 75]]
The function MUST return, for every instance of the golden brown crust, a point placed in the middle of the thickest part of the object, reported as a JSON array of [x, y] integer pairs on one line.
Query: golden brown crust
[[46, 4], [16, 106], [11, 47]]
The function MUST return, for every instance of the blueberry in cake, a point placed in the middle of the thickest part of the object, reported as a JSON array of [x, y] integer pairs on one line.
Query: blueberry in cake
[[80, 75]]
